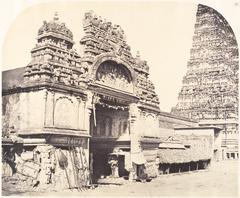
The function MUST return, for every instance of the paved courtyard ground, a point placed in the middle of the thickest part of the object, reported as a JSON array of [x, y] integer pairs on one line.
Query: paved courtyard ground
[[221, 180]]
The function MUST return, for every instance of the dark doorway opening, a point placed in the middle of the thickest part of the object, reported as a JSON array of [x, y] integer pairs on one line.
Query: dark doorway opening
[[101, 167], [121, 166]]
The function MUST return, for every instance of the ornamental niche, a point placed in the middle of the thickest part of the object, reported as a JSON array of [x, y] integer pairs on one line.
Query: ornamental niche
[[114, 75]]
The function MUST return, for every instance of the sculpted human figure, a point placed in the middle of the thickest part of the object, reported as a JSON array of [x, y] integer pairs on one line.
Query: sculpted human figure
[[95, 21], [113, 162], [89, 15]]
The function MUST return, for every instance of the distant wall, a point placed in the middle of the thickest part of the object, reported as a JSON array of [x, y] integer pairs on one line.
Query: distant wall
[[212, 133], [170, 121], [148, 124]]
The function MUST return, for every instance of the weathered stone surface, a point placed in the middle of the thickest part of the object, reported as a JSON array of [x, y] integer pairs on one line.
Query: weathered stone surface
[[64, 100], [209, 92], [103, 39], [53, 58], [10, 114]]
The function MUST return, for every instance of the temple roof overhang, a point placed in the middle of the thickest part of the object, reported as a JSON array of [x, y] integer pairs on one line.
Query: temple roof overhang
[[111, 94], [215, 128]]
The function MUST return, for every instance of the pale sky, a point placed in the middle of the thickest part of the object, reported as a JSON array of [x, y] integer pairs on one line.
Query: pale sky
[[161, 30]]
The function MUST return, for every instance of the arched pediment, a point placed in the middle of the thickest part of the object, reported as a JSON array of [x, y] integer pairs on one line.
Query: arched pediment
[[113, 72], [111, 57]]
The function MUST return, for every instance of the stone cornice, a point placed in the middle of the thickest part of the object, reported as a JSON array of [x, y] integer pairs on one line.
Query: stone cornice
[[119, 94], [54, 131], [39, 85]]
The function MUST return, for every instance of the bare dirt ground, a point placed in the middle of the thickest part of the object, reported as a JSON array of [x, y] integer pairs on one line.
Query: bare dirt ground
[[221, 180]]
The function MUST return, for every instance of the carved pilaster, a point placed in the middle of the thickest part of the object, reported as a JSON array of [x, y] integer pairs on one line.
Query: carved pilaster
[[53, 107], [49, 108], [80, 116], [45, 108], [134, 136], [88, 113]]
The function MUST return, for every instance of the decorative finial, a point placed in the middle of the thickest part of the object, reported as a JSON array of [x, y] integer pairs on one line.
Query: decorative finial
[[56, 18], [138, 54]]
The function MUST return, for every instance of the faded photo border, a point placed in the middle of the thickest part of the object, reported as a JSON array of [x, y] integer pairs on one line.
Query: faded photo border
[[11, 10]]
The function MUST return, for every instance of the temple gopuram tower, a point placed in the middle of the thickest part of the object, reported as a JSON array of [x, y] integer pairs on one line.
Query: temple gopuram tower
[[209, 90]]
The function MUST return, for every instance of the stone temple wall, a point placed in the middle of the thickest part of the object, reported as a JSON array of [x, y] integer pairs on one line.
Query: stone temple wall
[[10, 109], [30, 112], [170, 121]]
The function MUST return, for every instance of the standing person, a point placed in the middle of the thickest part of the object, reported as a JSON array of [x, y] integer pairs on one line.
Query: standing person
[[113, 162]]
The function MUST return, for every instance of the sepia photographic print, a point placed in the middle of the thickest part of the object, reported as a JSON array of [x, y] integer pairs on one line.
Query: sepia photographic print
[[120, 98]]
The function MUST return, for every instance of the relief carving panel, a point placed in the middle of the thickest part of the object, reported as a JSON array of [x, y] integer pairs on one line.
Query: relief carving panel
[[115, 76]]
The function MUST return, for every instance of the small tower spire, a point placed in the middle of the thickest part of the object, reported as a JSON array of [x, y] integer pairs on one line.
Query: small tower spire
[[56, 18], [138, 54]]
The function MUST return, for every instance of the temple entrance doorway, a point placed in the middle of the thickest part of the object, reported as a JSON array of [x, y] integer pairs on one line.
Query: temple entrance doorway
[[101, 167], [110, 142], [113, 93]]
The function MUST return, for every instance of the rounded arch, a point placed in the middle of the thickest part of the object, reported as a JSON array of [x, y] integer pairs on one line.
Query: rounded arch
[[111, 57], [113, 65]]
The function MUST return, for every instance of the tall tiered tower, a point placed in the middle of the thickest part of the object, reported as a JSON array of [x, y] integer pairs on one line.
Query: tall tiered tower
[[210, 87]]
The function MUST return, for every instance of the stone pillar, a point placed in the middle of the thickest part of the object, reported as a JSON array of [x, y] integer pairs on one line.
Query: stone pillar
[[223, 154], [88, 113], [133, 116], [88, 105], [81, 115], [134, 139]]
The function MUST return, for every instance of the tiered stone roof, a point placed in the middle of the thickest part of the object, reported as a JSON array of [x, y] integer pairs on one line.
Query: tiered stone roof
[[53, 58], [56, 28], [210, 86]]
